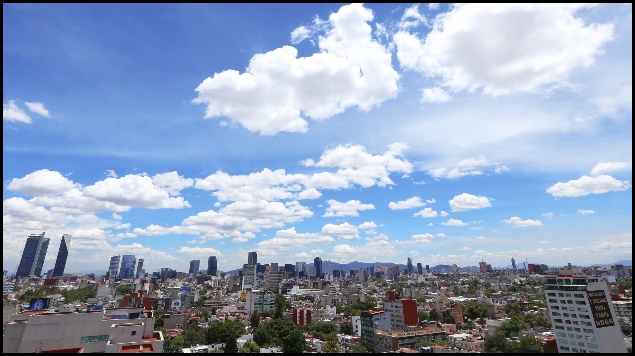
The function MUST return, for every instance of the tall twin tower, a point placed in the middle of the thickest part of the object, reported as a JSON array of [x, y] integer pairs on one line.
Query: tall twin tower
[[35, 252]]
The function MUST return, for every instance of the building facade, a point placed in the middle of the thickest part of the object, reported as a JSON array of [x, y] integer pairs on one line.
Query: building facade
[[195, 266], [114, 266], [212, 266], [62, 255], [128, 263], [317, 264], [252, 258], [582, 314], [33, 255]]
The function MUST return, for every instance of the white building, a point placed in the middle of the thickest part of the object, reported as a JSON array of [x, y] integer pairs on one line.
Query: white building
[[249, 276], [356, 321], [115, 331], [582, 314], [259, 301]]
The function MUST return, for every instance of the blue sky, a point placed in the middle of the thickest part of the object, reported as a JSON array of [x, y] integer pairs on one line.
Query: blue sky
[[451, 134]]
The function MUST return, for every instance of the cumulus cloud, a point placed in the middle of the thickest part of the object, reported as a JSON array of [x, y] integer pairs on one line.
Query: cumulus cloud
[[289, 239], [465, 201], [42, 183], [443, 213], [111, 173], [435, 95], [12, 112], [426, 213], [200, 251], [406, 204], [504, 48], [516, 221], [278, 90], [350, 208], [368, 225], [300, 34], [344, 253], [586, 211], [344, 231], [116, 216], [501, 169], [37, 108], [412, 18], [454, 222], [172, 182], [466, 167], [547, 215], [587, 185], [606, 167], [310, 193]]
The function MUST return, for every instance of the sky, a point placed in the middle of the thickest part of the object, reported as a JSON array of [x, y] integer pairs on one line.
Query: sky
[[373, 133]]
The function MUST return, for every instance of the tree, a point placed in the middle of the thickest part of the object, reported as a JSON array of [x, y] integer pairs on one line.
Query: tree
[[346, 328], [293, 342], [495, 343], [250, 347], [272, 332], [123, 289], [469, 326], [217, 333], [474, 310], [254, 320], [423, 315], [421, 299], [529, 344], [178, 343], [450, 320], [626, 330], [434, 315], [513, 308], [282, 304], [330, 345], [359, 349], [231, 345]]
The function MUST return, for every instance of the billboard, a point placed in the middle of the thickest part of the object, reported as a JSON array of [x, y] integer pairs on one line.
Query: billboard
[[176, 305], [600, 309], [40, 303]]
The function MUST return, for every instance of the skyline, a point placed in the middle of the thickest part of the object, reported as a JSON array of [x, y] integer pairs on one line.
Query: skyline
[[179, 132]]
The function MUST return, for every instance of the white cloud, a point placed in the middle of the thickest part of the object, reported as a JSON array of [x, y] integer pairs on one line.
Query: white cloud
[[440, 234], [516, 221], [587, 185], [344, 231], [542, 242], [134, 190], [430, 224], [368, 225], [12, 112], [426, 213], [111, 173], [406, 204], [433, 6], [262, 209], [289, 239], [454, 222], [501, 169], [547, 215], [37, 108], [466, 167], [350, 70], [42, 183], [300, 34], [443, 213], [586, 212], [431, 201], [412, 18], [464, 249], [465, 201], [606, 167], [310, 193], [504, 48], [172, 182], [435, 95], [116, 216], [200, 251], [350, 208], [344, 253]]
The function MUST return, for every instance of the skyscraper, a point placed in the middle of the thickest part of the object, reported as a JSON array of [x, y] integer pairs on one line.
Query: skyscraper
[[317, 263], [428, 268], [139, 268], [128, 263], [33, 255], [252, 258], [195, 266], [419, 268], [513, 264], [482, 266], [62, 255], [409, 265], [114, 266], [212, 266], [300, 267]]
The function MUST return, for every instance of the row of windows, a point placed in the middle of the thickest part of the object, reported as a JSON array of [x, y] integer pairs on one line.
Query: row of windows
[[579, 343], [568, 295], [96, 338], [575, 322]]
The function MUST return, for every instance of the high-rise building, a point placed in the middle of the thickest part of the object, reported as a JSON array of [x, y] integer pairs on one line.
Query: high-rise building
[[455, 268], [252, 258], [33, 255], [195, 266], [300, 267], [114, 266], [139, 268], [62, 255], [409, 265], [249, 276], [428, 268], [128, 263], [419, 268], [212, 265], [290, 268], [482, 266], [317, 263], [513, 264], [582, 314]]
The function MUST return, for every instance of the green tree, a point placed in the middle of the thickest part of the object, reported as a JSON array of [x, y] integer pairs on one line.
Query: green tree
[[158, 319], [495, 343], [293, 342], [217, 333], [282, 304], [346, 328], [529, 344], [513, 308], [254, 320], [178, 343], [272, 333], [123, 289], [330, 345], [421, 299], [469, 325], [359, 349], [250, 347], [434, 315], [450, 320], [423, 315], [626, 330], [474, 310], [231, 345]]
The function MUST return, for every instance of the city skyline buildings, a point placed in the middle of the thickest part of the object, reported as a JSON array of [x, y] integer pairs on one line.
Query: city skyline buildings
[[33, 255], [425, 162], [212, 265], [127, 269], [62, 256], [195, 267]]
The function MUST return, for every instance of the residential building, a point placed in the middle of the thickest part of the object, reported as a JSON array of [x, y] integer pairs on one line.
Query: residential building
[[140, 269], [403, 311], [128, 263], [114, 266], [582, 315], [273, 280], [195, 266], [62, 255], [33, 255], [249, 276], [259, 301], [392, 341], [371, 321], [212, 266]]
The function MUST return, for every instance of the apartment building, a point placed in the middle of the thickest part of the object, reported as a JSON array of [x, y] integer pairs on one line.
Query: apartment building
[[259, 301], [387, 341], [403, 311], [582, 315]]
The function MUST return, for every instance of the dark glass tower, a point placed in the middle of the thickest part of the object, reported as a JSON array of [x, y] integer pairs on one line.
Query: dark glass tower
[[33, 255], [252, 258], [212, 266], [128, 263], [317, 263], [62, 255]]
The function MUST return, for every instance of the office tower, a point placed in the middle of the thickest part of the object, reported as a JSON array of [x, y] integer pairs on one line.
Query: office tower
[[513, 264], [317, 263], [195, 266], [62, 255], [33, 255], [128, 263], [409, 265], [482, 266], [300, 267], [212, 265], [114, 266], [455, 268], [274, 267], [252, 258], [249, 276], [419, 268], [371, 271], [289, 268], [583, 317], [139, 268]]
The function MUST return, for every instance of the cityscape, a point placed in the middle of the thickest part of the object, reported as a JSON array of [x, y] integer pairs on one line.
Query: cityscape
[[317, 178]]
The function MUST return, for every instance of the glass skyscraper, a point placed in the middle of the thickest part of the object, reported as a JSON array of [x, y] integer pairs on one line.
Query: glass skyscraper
[[62, 255], [212, 266], [114, 266], [195, 266], [252, 258], [317, 263], [33, 255], [128, 263]]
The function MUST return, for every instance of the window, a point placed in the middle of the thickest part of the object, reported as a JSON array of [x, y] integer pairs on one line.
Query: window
[[95, 338], [580, 344], [553, 301], [586, 323], [592, 346], [580, 302], [579, 295], [569, 328], [568, 295], [564, 348], [576, 329], [575, 322], [566, 314], [574, 349], [571, 336], [561, 295], [578, 336], [567, 321], [562, 301], [551, 294], [588, 331], [559, 327], [584, 316], [560, 333], [583, 309], [557, 320], [134, 332], [591, 338], [563, 341], [574, 316], [555, 307], [571, 308], [556, 314], [571, 302]]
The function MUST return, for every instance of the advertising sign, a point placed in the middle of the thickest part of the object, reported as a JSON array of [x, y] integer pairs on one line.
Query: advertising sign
[[176, 305], [600, 309], [40, 303]]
